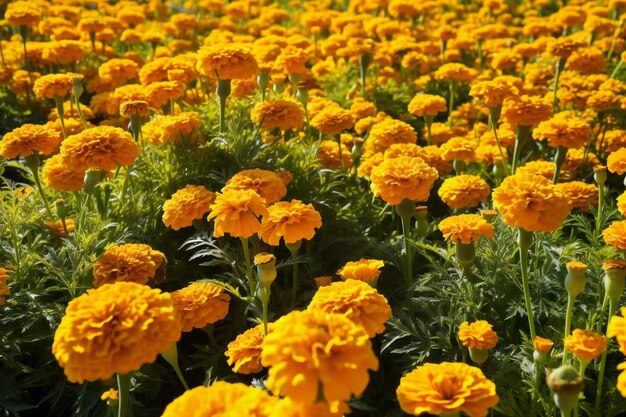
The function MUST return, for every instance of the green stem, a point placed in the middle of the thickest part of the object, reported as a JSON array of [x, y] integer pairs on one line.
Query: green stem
[[123, 389], [32, 162], [171, 356], [617, 67], [559, 67], [429, 124], [293, 250], [525, 240], [559, 159], [265, 301], [600, 211], [520, 140], [406, 211], [494, 116], [223, 91], [58, 102], [452, 91], [596, 407], [568, 324], [246, 255], [80, 112]]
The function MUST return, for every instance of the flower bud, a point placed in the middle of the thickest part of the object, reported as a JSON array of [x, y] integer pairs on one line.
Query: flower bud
[[77, 86], [60, 208], [542, 349], [575, 278], [263, 79], [302, 94], [422, 226], [92, 178], [465, 253], [599, 174], [566, 384], [323, 281], [478, 356], [489, 215], [614, 279], [266, 267], [498, 168]]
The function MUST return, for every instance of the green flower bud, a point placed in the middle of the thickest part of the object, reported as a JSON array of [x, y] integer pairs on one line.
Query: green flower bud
[[575, 278], [566, 384]]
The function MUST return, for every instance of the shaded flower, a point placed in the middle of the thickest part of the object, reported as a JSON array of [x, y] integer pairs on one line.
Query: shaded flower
[[245, 351]]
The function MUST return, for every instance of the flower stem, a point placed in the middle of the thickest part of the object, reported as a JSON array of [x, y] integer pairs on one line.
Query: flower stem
[[293, 249], [171, 356], [520, 140], [223, 91], [123, 389], [494, 115], [525, 240], [559, 159], [600, 210], [58, 102], [406, 210], [568, 324], [559, 67], [246, 255], [32, 162], [80, 112], [596, 407]]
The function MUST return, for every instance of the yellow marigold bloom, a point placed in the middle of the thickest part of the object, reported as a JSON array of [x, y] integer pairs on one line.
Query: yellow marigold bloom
[[458, 147], [120, 70], [4, 288], [616, 162], [466, 228], [356, 300], [615, 235], [288, 408], [57, 228], [269, 185], [27, 139], [589, 60], [291, 60], [621, 379], [245, 351], [220, 399], [403, 177], [130, 262], [60, 177], [386, 133], [530, 202], [114, 329], [332, 120], [278, 114], [134, 108], [21, 14], [464, 191], [579, 194], [564, 129], [237, 212], [455, 72], [621, 204], [367, 270], [200, 304], [291, 221], [617, 329], [564, 46], [186, 205], [478, 335], [160, 93], [538, 167], [446, 388], [493, 92], [111, 394], [228, 61], [328, 153], [312, 351], [427, 105], [172, 128], [525, 110], [53, 85], [101, 147], [361, 108], [585, 344], [542, 345]]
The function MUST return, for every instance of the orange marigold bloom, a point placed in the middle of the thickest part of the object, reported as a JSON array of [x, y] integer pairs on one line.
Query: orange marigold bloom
[[458, 147], [525, 110], [269, 185], [617, 329], [464, 191], [328, 153], [542, 345], [291, 221], [22, 14], [564, 129], [130, 262], [312, 350], [621, 379], [356, 300], [332, 120], [530, 202], [57, 228], [538, 167], [616, 162], [615, 235], [27, 139], [563, 46], [466, 228], [585, 344], [160, 93], [278, 114], [455, 71], [4, 288], [200, 304], [174, 128], [114, 329], [367, 270], [245, 351], [403, 177], [228, 61], [56, 174], [427, 105], [134, 108], [621, 203], [447, 388], [53, 85], [101, 147], [579, 194], [120, 70], [237, 212], [493, 92], [111, 394], [186, 205], [478, 335], [386, 133]]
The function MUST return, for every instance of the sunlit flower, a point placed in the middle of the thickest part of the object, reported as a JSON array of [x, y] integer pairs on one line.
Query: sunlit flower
[[101, 147], [291, 221], [200, 304], [465, 228], [464, 191], [269, 185], [244, 353], [403, 177], [585, 345], [237, 213], [130, 262], [478, 335], [186, 205]]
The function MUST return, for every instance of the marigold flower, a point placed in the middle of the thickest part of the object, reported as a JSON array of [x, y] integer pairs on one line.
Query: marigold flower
[[525, 110], [134, 108], [564, 46], [585, 344], [237, 212], [312, 351], [579, 194], [403, 177], [466, 228], [328, 153], [332, 120], [160, 93], [478, 335], [245, 351], [130, 262], [621, 204], [615, 235], [459, 148], [57, 228], [617, 329], [455, 71], [101, 147], [114, 329], [111, 394], [186, 205], [446, 388], [269, 185], [27, 139], [20, 14], [278, 114], [200, 304], [120, 70], [53, 85], [356, 300], [464, 191], [291, 221], [564, 129], [386, 133], [367, 270], [4, 288], [616, 162], [530, 202], [542, 345], [222, 398], [228, 61], [57, 175], [493, 92], [539, 167], [172, 128], [621, 379], [427, 105]]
